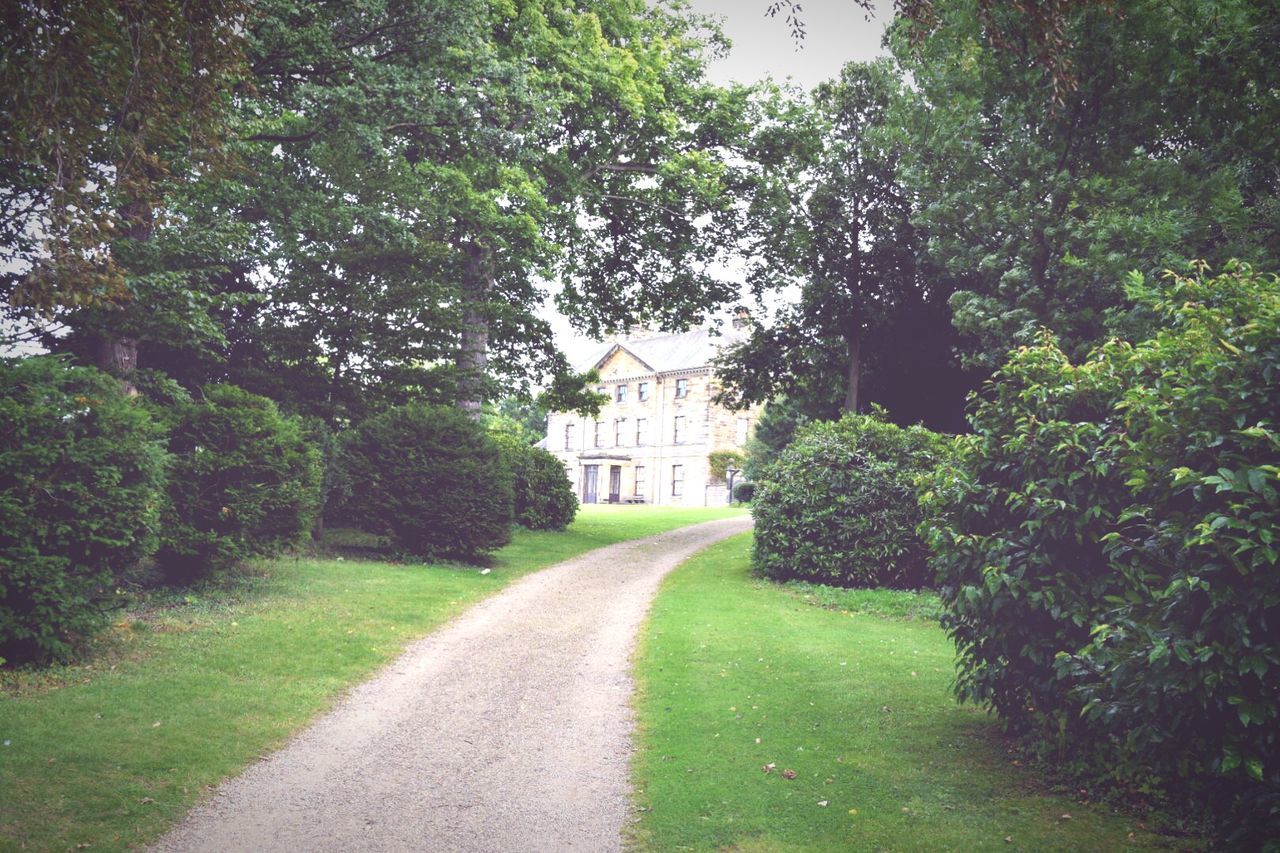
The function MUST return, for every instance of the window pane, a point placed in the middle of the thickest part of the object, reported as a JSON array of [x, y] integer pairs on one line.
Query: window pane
[[642, 477], [677, 480], [642, 391], [642, 432], [622, 394]]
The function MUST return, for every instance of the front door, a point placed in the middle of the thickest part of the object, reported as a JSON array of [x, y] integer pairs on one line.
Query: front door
[[590, 476], [615, 484]]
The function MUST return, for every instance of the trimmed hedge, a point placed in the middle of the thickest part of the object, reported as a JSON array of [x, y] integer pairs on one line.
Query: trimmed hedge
[[81, 478], [543, 496], [1109, 554], [244, 483], [838, 505], [430, 478]]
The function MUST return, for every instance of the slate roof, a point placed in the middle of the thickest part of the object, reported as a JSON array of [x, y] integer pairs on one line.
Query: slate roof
[[665, 353]]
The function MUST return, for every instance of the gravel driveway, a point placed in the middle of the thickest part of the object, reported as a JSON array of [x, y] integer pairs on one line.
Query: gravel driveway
[[507, 729]]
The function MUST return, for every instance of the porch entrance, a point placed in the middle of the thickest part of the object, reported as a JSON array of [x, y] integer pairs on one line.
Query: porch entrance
[[615, 484]]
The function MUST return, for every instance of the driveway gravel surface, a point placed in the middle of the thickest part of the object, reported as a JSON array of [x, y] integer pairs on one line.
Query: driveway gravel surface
[[507, 729]]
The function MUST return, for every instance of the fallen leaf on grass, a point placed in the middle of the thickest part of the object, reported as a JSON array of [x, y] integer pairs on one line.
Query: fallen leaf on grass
[[768, 768], [789, 774]]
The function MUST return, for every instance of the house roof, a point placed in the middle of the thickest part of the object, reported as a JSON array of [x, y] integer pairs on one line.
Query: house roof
[[665, 353]]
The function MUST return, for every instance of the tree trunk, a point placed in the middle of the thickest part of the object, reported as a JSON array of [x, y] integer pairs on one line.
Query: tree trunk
[[473, 357], [853, 340], [118, 354]]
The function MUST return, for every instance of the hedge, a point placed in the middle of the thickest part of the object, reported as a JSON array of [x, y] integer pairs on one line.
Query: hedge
[[838, 505], [430, 478], [81, 478], [1108, 549]]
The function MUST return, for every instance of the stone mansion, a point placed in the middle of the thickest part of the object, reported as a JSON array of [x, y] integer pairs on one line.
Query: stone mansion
[[652, 440]]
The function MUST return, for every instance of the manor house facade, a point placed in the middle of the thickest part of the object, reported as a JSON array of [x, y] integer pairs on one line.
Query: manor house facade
[[652, 441]]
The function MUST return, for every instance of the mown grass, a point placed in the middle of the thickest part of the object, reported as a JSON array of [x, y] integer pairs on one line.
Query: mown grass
[[191, 688], [737, 675]]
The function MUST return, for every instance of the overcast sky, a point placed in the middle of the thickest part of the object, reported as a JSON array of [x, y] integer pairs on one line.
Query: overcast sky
[[837, 32]]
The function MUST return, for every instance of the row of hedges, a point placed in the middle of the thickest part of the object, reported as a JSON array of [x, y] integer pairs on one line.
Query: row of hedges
[[1105, 543], [93, 482]]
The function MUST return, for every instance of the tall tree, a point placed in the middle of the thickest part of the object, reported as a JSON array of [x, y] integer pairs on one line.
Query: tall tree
[[830, 218], [107, 106], [1163, 151]]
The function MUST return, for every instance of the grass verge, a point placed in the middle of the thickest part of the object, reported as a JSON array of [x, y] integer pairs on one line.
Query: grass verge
[[108, 753], [737, 676]]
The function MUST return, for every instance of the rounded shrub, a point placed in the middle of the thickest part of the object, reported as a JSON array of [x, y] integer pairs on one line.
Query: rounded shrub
[[744, 492], [1109, 555], [838, 505], [243, 483], [430, 478], [543, 496], [81, 479]]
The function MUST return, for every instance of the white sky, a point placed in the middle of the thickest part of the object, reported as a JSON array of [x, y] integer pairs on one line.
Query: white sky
[[837, 32]]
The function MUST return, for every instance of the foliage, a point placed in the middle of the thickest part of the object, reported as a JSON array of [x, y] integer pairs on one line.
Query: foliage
[[544, 496], [774, 431], [720, 461], [105, 107], [744, 492], [82, 472], [244, 483], [1109, 543], [838, 506], [1034, 210], [827, 211], [430, 478]]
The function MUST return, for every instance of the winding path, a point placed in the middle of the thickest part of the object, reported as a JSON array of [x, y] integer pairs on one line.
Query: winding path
[[507, 729]]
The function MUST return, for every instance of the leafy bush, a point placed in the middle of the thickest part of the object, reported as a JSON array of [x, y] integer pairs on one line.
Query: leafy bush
[[243, 483], [1108, 548], [838, 505], [430, 478], [543, 496], [81, 475], [744, 492]]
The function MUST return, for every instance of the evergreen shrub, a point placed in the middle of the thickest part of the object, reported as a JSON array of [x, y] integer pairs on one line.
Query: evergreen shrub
[[543, 496], [81, 479], [244, 482], [838, 505], [744, 492], [430, 478], [1108, 550]]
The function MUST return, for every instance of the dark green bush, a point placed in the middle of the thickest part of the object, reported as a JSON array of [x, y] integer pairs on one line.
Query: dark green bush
[[744, 492], [1108, 549], [430, 478], [243, 483], [543, 496], [81, 478], [838, 505]]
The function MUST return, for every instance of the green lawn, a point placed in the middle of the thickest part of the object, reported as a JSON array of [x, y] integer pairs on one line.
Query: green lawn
[[110, 752], [738, 675]]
